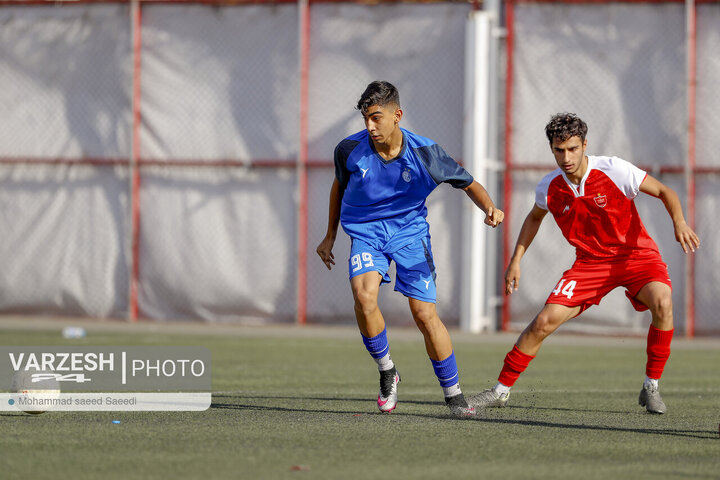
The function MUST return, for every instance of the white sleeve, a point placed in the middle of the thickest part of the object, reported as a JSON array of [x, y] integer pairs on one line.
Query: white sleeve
[[626, 176], [541, 191]]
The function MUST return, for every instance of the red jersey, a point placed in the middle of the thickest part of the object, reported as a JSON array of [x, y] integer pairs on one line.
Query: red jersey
[[598, 217]]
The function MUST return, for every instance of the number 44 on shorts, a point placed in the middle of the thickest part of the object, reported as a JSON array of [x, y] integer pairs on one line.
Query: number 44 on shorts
[[567, 290]]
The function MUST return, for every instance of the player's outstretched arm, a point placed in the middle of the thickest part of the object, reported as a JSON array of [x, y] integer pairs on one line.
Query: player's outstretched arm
[[477, 193], [685, 235], [324, 250], [527, 233]]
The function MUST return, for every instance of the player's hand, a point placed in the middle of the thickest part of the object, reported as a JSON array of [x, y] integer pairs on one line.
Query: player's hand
[[512, 278], [325, 252], [494, 217], [687, 237]]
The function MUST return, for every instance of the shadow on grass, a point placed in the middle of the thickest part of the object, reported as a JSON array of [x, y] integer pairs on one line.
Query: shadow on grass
[[358, 413], [561, 409], [703, 434], [700, 434], [322, 399], [238, 406]]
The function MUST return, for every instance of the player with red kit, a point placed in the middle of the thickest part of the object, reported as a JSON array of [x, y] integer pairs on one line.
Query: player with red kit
[[591, 199]]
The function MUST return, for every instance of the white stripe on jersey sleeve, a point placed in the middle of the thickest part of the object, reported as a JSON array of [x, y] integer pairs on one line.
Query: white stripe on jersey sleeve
[[541, 190], [626, 176]]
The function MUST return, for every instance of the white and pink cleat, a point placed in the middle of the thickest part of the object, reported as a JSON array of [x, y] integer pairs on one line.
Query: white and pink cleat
[[388, 396]]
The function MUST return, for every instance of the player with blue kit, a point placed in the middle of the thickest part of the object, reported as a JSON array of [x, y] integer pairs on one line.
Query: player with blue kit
[[383, 175]]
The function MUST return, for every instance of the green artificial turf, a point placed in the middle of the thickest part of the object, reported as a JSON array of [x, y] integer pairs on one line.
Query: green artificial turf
[[301, 404]]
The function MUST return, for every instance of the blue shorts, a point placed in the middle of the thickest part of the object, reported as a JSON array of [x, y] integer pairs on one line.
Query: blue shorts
[[415, 276]]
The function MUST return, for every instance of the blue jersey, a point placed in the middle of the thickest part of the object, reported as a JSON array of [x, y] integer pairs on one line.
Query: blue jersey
[[384, 200]]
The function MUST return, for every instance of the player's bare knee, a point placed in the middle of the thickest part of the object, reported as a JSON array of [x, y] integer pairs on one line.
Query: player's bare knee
[[662, 307], [542, 326], [425, 318], [365, 301]]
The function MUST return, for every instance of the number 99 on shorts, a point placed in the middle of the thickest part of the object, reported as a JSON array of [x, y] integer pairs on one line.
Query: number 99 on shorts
[[361, 260]]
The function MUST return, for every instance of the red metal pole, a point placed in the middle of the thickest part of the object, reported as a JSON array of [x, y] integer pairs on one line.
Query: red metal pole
[[302, 170], [507, 184], [134, 160], [691, 12]]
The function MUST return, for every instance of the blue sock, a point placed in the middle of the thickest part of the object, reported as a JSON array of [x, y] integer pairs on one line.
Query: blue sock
[[379, 349], [446, 371]]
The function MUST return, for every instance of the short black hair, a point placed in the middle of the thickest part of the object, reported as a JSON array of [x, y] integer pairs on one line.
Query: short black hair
[[380, 93], [563, 126]]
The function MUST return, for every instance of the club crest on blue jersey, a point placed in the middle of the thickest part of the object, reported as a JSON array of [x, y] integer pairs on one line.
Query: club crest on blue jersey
[[406, 175]]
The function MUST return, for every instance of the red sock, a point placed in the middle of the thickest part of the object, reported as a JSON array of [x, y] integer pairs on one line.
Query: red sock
[[515, 363], [658, 351]]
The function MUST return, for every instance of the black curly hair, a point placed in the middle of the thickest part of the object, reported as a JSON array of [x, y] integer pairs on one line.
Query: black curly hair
[[563, 126], [379, 93]]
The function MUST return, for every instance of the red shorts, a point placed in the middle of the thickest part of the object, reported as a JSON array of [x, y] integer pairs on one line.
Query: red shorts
[[585, 284]]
